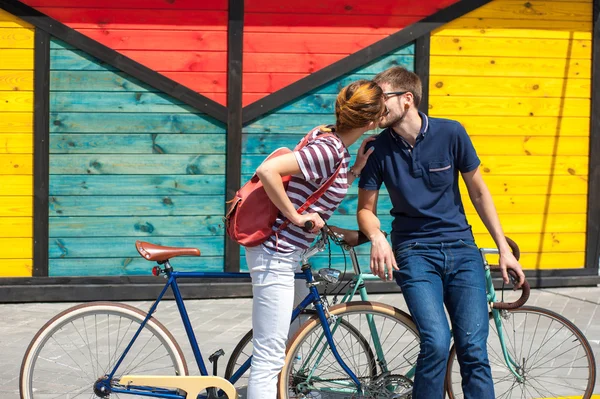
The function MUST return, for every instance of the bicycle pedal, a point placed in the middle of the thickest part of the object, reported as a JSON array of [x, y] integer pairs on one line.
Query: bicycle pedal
[[215, 356]]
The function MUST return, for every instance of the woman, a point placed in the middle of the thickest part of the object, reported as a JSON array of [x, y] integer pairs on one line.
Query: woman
[[358, 108]]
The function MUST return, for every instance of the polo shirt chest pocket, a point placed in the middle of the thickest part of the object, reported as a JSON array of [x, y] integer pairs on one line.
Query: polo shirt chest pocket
[[440, 173]]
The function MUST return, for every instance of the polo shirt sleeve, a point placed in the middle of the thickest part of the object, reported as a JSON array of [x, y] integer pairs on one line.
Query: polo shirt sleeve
[[467, 159], [371, 176], [320, 158]]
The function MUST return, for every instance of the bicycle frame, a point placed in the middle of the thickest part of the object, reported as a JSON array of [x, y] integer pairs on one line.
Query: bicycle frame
[[172, 276]]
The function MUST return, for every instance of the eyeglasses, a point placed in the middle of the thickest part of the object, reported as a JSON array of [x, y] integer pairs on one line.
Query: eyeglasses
[[385, 112], [390, 94]]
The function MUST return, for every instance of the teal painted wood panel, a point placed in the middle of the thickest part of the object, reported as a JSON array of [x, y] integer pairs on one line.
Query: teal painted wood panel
[[280, 123], [73, 81], [136, 226], [128, 162], [131, 102], [124, 247], [179, 185], [103, 205], [151, 164], [148, 143], [114, 122], [129, 266], [76, 60]]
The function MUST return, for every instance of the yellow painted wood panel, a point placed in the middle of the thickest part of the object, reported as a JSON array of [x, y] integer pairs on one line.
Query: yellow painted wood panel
[[16, 185], [8, 20], [529, 28], [504, 86], [16, 227], [16, 80], [16, 268], [15, 248], [16, 143], [16, 59], [498, 65], [16, 164], [478, 125], [532, 10], [531, 204], [507, 106], [16, 38], [16, 101], [16, 122], [527, 145], [534, 165], [556, 223], [548, 260], [538, 185], [16, 206], [535, 242], [510, 47]]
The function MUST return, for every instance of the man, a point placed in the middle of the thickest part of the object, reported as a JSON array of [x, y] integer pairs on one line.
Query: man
[[419, 160]]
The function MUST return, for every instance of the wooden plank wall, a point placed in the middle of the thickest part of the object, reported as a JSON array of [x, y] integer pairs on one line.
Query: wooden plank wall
[[185, 40], [516, 74], [287, 125], [16, 146], [286, 41], [127, 163]]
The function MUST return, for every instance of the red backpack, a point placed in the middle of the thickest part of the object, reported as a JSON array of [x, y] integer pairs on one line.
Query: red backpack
[[250, 218]]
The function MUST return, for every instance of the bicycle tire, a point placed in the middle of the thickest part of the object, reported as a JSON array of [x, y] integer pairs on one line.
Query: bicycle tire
[[243, 351], [517, 335], [399, 356], [56, 344]]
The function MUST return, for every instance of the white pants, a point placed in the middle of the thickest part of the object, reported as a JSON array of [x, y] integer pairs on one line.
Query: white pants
[[275, 294]]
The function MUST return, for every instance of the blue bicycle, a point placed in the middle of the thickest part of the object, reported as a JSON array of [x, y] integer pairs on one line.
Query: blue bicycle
[[112, 350]]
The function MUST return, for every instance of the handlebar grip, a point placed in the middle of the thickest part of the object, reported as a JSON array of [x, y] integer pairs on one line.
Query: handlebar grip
[[309, 225], [525, 291], [514, 248]]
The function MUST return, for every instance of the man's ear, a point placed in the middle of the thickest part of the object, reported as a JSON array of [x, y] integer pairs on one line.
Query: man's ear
[[410, 97]]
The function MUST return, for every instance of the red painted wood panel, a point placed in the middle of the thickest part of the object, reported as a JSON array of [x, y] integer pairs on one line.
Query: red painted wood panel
[[317, 34], [186, 40], [179, 38]]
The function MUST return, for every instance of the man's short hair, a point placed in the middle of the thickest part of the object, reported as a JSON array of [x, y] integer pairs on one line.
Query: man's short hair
[[401, 79]]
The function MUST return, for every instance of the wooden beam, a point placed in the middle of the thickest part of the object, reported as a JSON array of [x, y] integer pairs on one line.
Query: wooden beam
[[234, 118]]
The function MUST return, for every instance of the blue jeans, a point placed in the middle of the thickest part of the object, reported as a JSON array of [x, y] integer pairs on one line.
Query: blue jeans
[[430, 276]]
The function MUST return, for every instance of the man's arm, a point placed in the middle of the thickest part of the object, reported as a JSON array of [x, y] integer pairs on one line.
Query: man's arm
[[368, 222], [484, 205]]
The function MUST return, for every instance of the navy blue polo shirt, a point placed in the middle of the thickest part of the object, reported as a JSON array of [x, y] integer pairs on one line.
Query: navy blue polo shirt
[[422, 181]]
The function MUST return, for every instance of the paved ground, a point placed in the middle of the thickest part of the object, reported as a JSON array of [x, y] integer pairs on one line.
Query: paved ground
[[221, 323]]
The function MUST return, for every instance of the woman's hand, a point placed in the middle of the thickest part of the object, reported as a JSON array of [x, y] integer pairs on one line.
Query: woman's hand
[[315, 218], [362, 155]]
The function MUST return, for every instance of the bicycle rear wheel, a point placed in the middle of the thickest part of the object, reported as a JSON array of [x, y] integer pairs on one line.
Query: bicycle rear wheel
[[382, 331], [243, 351], [552, 355], [82, 344]]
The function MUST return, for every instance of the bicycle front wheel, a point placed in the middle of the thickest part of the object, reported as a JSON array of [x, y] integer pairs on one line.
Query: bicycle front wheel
[[550, 354], [82, 345], [380, 348]]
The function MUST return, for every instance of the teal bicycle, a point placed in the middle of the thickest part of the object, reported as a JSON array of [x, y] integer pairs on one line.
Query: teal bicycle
[[534, 353]]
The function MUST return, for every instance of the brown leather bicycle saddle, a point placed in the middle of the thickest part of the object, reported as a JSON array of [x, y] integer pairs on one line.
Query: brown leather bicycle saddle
[[159, 253]]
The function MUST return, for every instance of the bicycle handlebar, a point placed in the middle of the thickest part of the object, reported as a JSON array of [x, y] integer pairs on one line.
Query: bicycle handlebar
[[525, 288]]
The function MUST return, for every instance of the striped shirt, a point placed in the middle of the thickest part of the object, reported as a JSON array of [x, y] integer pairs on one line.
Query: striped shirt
[[318, 161]]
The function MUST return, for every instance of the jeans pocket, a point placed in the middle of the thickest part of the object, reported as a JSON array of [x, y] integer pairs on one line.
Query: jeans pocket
[[469, 244], [404, 248]]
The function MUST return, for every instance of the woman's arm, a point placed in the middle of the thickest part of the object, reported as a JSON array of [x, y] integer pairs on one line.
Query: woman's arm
[[270, 174]]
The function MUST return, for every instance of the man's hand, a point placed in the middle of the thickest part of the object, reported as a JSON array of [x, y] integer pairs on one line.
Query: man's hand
[[382, 256], [508, 261], [362, 155]]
